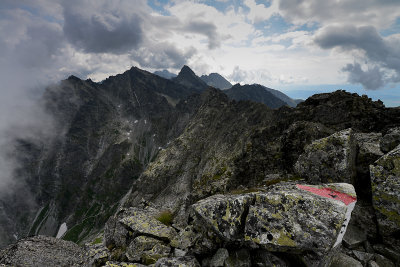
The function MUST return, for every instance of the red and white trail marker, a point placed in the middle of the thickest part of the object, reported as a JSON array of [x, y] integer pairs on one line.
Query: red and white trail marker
[[347, 199]]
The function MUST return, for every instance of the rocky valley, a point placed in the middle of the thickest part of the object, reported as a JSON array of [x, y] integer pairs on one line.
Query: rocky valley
[[145, 170]]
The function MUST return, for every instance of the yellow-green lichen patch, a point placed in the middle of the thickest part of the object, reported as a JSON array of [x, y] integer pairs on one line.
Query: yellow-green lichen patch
[[287, 218], [223, 214], [284, 239], [385, 173]]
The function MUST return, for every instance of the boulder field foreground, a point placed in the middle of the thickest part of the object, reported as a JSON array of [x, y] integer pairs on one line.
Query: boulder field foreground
[[221, 183]]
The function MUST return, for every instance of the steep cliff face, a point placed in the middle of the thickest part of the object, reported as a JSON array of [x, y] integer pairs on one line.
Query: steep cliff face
[[105, 135]]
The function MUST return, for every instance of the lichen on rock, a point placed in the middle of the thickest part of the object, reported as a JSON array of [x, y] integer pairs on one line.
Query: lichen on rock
[[225, 214], [147, 250], [385, 176], [141, 223], [297, 217], [330, 159]]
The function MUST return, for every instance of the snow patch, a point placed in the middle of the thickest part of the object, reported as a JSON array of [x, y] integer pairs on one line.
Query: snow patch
[[61, 231]]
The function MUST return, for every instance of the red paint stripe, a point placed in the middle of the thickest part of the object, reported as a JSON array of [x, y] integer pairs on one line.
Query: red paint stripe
[[329, 193]]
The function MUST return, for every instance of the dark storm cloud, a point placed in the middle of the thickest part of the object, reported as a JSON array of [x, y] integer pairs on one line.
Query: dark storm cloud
[[129, 28], [383, 54], [101, 30], [162, 55], [381, 13], [207, 29], [350, 37], [371, 79], [169, 25]]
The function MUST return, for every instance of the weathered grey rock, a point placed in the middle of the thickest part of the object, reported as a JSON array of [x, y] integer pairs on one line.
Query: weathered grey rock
[[115, 233], [130, 223], [390, 140], [368, 151], [340, 260], [310, 258], [383, 261], [186, 238], [219, 258], [388, 253], [368, 145], [178, 262], [354, 237], [198, 240], [147, 250], [224, 214], [330, 159], [363, 217], [43, 251], [368, 247], [143, 223], [363, 257], [97, 254], [263, 258], [298, 135], [238, 258], [372, 264], [293, 217], [122, 264], [385, 178], [179, 252]]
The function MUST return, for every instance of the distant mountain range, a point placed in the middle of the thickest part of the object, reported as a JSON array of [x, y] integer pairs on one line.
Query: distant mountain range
[[165, 74], [258, 93]]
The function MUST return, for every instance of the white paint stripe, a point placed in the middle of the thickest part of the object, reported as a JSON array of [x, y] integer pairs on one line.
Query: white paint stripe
[[350, 208]]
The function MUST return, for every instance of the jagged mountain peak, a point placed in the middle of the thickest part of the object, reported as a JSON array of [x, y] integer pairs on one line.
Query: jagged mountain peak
[[216, 80], [188, 78], [186, 70], [73, 78]]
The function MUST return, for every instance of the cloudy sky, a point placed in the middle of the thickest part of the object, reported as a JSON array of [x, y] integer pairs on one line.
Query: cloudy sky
[[298, 46]]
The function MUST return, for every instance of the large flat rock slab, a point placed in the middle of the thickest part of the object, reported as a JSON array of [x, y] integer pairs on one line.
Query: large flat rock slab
[[300, 217]]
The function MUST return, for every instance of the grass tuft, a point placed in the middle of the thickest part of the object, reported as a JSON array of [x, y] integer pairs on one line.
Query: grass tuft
[[165, 217]]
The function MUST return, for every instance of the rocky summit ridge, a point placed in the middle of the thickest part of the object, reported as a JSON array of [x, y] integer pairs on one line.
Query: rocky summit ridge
[[146, 171]]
